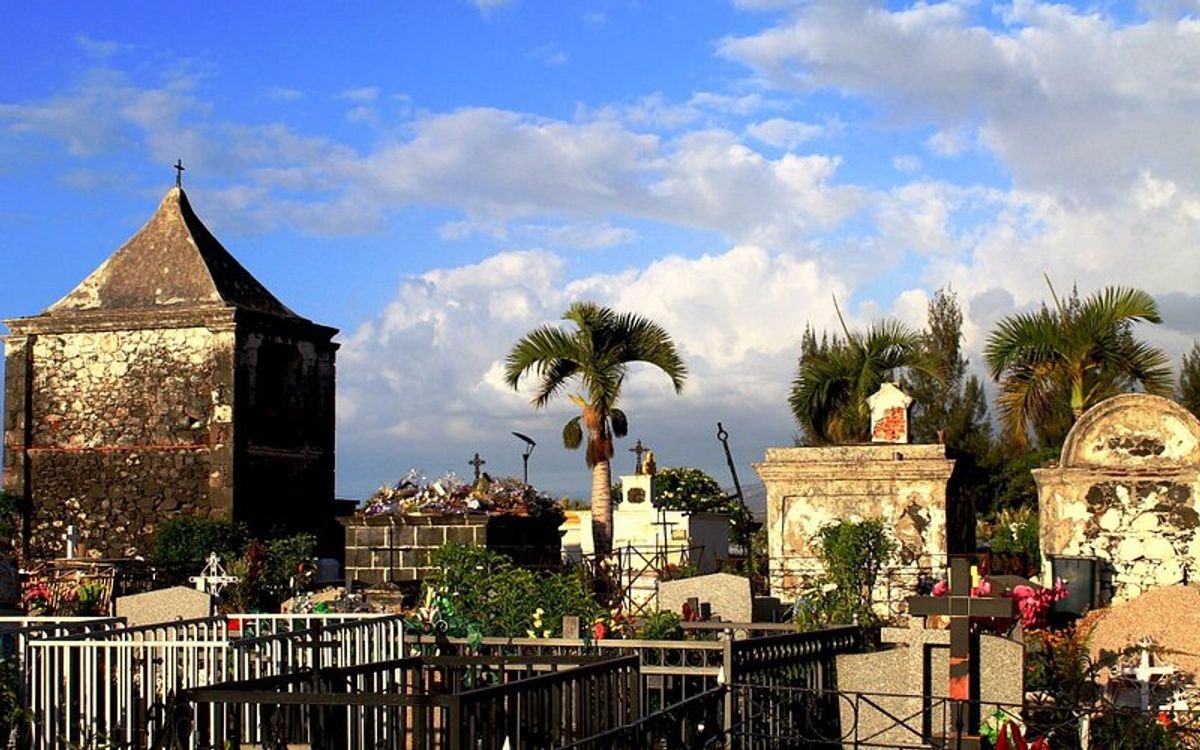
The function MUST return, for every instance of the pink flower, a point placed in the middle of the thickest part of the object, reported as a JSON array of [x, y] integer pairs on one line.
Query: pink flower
[[941, 588]]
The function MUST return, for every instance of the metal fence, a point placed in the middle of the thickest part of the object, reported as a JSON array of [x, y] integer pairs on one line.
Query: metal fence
[[108, 686], [434, 703]]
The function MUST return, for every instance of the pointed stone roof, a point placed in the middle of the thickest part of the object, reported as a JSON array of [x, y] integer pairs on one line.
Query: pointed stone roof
[[173, 262]]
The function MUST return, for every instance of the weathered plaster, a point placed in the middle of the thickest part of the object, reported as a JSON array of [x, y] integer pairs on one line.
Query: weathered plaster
[[1125, 492], [808, 488]]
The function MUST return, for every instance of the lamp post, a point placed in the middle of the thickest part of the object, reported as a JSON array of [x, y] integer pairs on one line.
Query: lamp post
[[529, 446]]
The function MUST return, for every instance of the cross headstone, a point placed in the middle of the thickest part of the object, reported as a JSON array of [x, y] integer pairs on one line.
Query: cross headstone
[[179, 173], [212, 578], [962, 608], [638, 450], [1145, 674], [72, 538], [476, 462]]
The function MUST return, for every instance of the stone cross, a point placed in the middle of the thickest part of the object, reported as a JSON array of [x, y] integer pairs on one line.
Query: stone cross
[[638, 450], [72, 538], [179, 173], [476, 462], [962, 608]]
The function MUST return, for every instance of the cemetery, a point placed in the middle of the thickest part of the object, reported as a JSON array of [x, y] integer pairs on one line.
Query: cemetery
[[157, 605]]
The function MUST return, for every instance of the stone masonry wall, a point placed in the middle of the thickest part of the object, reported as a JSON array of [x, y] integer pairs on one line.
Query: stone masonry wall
[[126, 427]]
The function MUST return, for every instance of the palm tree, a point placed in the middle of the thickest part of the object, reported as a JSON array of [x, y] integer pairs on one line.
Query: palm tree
[[596, 354], [835, 377], [1084, 348]]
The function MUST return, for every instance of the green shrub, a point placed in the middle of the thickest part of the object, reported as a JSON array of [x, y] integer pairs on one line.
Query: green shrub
[[685, 488], [1013, 530], [662, 625], [488, 591], [187, 539], [853, 554]]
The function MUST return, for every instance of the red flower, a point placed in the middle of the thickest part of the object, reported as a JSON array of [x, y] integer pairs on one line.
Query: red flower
[[599, 631]]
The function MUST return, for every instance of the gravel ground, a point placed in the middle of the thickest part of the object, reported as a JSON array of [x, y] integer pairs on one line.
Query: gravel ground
[[1171, 616]]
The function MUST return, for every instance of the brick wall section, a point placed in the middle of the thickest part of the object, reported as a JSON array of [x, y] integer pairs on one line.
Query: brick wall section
[[892, 428]]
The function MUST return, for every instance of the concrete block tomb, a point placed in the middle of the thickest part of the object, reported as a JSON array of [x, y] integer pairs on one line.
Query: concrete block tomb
[[1125, 493], [397, 548]]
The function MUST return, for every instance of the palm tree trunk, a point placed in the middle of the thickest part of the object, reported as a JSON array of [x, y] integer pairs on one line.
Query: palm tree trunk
[[602, 508]]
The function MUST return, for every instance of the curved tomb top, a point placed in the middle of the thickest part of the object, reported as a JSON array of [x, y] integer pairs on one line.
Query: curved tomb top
[[1134, 432]]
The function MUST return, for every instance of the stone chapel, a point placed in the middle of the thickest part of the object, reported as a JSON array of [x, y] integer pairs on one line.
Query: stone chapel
[[170, 381]]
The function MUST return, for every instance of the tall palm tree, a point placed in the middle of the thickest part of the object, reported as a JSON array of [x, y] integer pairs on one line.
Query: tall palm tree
[[1084, 348], [596, 354], [835, 377]]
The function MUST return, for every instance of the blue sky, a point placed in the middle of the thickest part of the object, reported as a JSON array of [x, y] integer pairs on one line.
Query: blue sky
[[436, 178]]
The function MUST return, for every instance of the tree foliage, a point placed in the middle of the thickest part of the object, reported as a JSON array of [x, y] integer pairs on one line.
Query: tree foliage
[[1083, 348], [595, 356], [836, 374], [1189, 380], [949, 406]]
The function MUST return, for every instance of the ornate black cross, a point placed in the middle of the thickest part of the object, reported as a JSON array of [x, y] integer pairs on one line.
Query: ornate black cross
[[476, 462], [962, 608], [179, 173], [638, 450]]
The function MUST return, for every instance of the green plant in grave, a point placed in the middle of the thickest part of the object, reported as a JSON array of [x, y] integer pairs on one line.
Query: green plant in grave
[[490, 593], [188, 539], [854, 554], [1012, 530], [688, 489]]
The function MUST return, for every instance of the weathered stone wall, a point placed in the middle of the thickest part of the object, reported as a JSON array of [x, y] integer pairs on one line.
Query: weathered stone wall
[[902, 485], [1125, 492], [124, 427]]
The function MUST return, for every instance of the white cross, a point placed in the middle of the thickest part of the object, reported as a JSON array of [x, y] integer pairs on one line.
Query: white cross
[[1144, 674], [213, 579], [72, 537]]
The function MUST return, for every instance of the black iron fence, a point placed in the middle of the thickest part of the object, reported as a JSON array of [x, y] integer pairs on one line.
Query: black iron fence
[[426, 703]]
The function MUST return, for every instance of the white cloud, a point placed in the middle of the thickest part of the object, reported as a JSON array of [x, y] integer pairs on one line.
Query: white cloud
[[906, 163], [426, 373], [783, 133], [361, 95], [284, 94], [1069, 100]]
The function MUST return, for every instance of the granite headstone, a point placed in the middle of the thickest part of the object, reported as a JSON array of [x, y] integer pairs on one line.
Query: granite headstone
[[164, 605], [727, 595]]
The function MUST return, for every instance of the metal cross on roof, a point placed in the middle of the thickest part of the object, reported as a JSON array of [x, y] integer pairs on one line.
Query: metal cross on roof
[[179, 173], [638, 450], [476, 462], [962, 608]]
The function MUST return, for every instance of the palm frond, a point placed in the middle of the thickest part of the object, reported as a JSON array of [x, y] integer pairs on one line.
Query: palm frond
[[619, 422], [572, 434]]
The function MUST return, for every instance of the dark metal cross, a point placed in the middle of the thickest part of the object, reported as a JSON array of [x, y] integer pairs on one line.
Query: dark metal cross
[[962, 608], [179, 173], [476, 462], [638, 450]]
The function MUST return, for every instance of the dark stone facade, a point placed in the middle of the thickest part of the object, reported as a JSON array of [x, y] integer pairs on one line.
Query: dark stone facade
[[168, 382]]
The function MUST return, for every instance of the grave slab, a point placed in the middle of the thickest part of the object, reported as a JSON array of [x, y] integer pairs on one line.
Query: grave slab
[[727, 595], [164, 605]]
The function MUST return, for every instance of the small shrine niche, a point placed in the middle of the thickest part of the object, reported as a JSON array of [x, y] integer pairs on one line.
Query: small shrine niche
[[889, 414]]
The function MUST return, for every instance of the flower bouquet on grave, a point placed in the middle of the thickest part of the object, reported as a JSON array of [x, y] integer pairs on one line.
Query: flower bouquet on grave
[[36, 598]]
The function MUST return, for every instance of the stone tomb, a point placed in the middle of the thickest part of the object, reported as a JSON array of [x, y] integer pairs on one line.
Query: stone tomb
[[1125, 492], [164, 605], [902, 485], [911, 659], [727, 596], [396, 548]]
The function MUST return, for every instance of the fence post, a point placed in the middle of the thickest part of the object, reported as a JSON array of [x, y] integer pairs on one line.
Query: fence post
[[727, 669]]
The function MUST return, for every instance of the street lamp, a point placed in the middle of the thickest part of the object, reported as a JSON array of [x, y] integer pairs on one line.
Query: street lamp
[[529, 446]]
